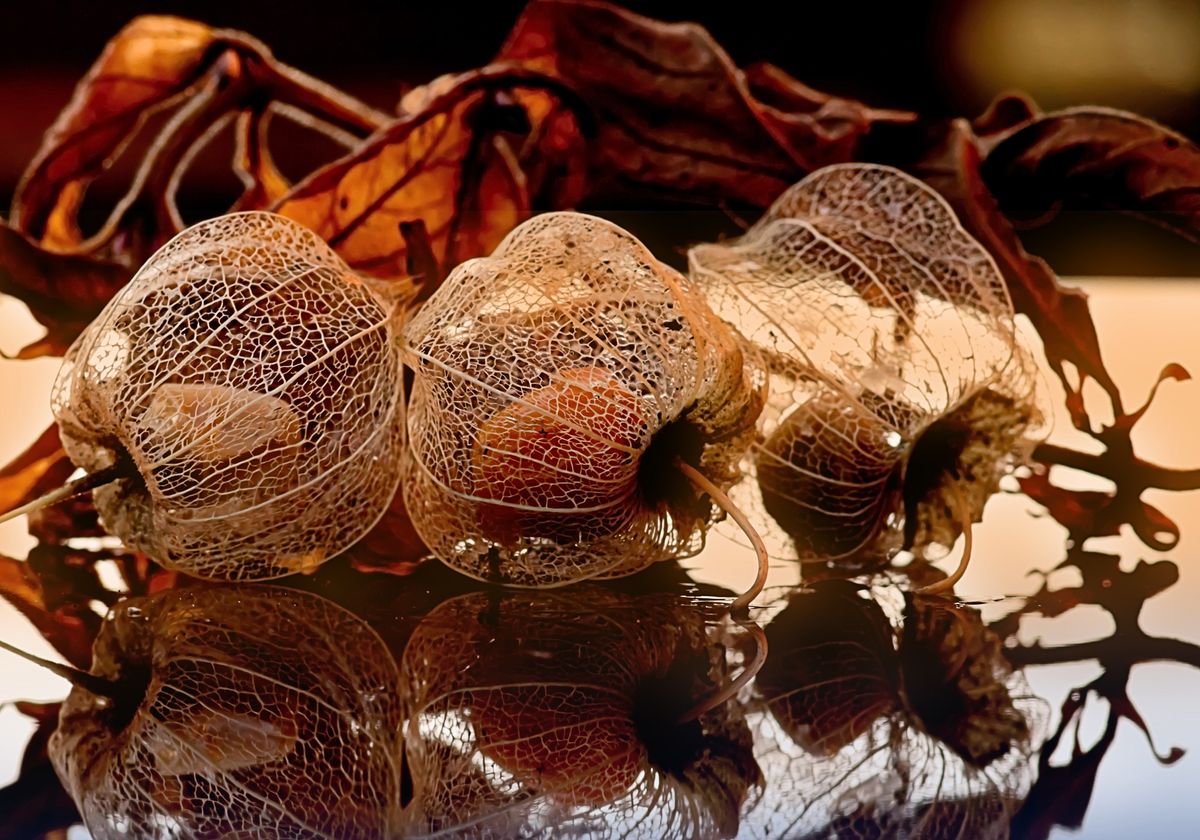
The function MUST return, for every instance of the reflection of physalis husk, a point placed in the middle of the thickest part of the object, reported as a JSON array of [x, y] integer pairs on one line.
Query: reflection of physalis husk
[[956, 679], [895, 364], [565, 702], [555, 384], [254, 384], [247, 711], [905, 731]]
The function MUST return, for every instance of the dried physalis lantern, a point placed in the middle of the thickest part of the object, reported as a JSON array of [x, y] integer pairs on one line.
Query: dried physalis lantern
[[233, 712], [576, 408], [900, 393], [571, 713], [239, 402]]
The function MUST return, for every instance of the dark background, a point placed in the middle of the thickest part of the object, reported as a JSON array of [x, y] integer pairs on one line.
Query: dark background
[[939, 57]]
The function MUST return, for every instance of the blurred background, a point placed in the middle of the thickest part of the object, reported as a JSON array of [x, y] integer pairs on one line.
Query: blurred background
[[938, 57]]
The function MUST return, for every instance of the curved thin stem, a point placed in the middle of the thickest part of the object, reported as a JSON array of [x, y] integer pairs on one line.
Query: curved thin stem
[[731, 689], [946, 584], [90, 682], [120, 469], [726, 504]]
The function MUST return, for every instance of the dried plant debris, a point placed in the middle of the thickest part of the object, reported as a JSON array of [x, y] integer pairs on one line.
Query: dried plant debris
[[245, 386], [898, 384], [556, 384], [882, 715], [458, 162], [234, 711], [556, 714]]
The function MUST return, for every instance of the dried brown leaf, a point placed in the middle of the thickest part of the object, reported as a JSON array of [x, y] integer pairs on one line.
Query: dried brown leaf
[[1060, 315], [671, 111], [63, 292], [43, 462], [1096, 158], [447, 164], [147, 66], [69, 629]]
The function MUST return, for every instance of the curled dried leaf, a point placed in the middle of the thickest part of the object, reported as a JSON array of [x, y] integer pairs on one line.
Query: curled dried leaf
[[897, 377], [260, 712], [447, 162], [1096, 158], [548, 714], [147, 66], [555, 385], [63, 291], [730, 137], [251, 382]]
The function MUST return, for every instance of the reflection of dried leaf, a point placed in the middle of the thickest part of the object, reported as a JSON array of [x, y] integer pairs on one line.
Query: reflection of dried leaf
[[276, 704], [567, 703], [36, 805], [1096, 158], [1063, 792]]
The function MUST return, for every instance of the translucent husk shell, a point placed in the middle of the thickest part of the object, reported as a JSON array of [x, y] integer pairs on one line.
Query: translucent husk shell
[[253, 382], [555, 382], [895, 363]]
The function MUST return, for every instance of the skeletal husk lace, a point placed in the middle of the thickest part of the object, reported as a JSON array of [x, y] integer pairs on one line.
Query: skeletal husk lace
[[252, 383], [900, 392], [557, 383]]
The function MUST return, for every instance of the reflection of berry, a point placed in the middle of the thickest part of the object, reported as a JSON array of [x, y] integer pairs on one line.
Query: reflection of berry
[[570, 450], [578, 742]]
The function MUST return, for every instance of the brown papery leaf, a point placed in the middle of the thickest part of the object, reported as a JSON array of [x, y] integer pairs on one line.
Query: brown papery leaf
[[185, 80], [1059, 314], [672, 112], [147, 66], [556, 383], [63, 292], [566, 703], [277, 704], [899, 392], [447, 163], [248, 384], [1096, 158], [906, 724]]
